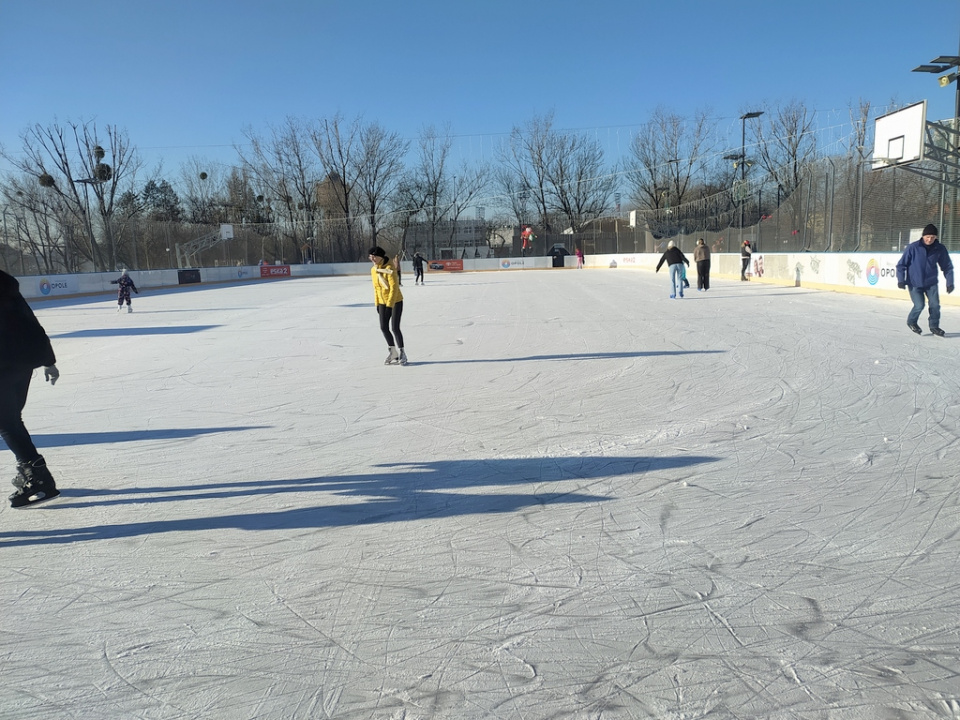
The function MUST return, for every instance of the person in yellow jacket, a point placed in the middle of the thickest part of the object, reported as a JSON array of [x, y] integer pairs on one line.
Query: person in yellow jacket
[[389, 300]]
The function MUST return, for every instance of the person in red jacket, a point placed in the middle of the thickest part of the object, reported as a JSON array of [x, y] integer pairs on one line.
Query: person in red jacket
[[25, 347]]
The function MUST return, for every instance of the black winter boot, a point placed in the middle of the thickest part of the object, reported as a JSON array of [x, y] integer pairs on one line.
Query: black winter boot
[[38, 484], [21, 477]]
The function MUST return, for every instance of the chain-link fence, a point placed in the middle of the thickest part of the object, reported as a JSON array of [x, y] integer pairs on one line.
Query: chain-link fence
[[840, 205]]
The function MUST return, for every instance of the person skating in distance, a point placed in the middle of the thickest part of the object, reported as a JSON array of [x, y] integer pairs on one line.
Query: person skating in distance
[[418, 268], [25, 347], [917, 273], [125, 283], [389, 301], [745, 252]]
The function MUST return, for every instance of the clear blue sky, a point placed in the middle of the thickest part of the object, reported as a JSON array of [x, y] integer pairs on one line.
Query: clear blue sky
[[185, 78]]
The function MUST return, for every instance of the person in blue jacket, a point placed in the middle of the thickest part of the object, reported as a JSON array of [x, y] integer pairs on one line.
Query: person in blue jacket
[[917, 272]]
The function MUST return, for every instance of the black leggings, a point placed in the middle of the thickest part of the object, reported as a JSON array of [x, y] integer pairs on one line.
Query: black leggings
[[14, 384], [390, 317]]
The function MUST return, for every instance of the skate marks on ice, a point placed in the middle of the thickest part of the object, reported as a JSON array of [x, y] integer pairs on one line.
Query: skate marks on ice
[[404, 492]]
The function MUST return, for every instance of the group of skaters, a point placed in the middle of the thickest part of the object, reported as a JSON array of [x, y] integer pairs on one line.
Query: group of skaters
[[917, 272], [676, 260], [26, 346]]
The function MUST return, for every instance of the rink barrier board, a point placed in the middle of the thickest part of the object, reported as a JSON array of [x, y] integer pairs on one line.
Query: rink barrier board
[[871, 274]]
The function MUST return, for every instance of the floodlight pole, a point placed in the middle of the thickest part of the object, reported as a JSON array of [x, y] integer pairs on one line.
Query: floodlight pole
[[938, 65], [743, 163]]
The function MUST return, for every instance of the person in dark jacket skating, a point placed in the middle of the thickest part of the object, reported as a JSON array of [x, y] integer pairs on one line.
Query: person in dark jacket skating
[[25, 346], [125, 283], [675, 260], [917, 272], [418, 268]]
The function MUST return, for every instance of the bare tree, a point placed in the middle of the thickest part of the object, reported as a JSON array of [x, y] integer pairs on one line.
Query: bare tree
[[33, 224], [561, 173], [338, 145], [667, 156], [72, 163], [285, 168], [526, 156], [203, 189], [432, 179], [409, 200], [380, 172], [467, 186], [787, 144], [579, 186]]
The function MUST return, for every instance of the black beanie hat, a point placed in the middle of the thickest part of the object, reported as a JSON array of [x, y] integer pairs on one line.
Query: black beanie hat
[[930, 229], [377, 252]]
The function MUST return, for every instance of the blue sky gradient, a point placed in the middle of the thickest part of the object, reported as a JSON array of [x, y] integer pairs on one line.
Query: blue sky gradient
[[184, 79]]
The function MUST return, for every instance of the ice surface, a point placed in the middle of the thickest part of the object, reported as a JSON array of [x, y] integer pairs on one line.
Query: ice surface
[[581, 499]]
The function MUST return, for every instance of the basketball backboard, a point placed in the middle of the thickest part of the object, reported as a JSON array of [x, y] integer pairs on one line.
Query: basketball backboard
[[899, 136]]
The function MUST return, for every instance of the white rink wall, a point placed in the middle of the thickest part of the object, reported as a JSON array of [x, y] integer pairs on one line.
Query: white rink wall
[[862, 273]]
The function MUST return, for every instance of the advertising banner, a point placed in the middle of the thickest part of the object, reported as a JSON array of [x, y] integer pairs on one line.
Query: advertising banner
[[511, 263], [59, 285], [269, 271], [882, 272], [448, 265], [188, 277]]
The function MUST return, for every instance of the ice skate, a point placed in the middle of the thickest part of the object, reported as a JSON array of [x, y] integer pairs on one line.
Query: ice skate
[[20, 480], [38, 485], [403, 357], [119, 308], [393, 358], [915, 328], [129, 308], [937, 331]]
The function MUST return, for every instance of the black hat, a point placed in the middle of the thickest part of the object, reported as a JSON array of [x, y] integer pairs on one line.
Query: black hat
[[930, 229], [377, 251]]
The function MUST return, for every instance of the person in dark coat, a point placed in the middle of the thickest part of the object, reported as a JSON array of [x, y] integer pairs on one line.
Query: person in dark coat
[[917, 273], [701, 256], [675, 260], [125, 283], [746, 250], [24, 345], [418, 268]]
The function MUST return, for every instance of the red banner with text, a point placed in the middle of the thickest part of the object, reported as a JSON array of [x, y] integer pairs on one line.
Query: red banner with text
[[267, 271], [450, 265]]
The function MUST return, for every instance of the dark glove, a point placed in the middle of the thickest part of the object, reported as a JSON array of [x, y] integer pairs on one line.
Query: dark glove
[[51, 374], [902, 286], [136, 291], [949, 289]]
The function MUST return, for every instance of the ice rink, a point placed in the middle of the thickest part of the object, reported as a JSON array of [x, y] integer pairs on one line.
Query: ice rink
[[581, 499]]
